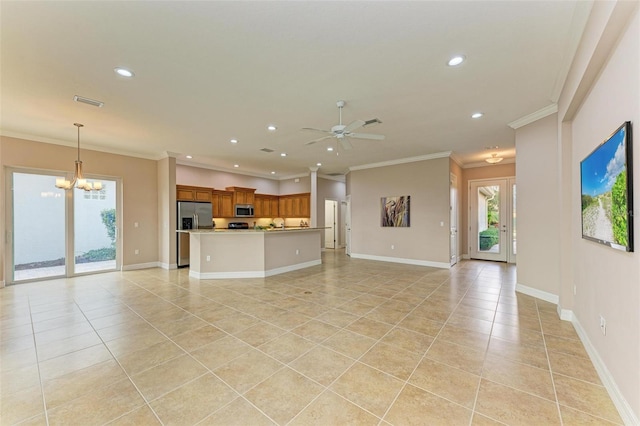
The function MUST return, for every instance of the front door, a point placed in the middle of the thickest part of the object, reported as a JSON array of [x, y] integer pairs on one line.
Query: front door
[[489, 220]]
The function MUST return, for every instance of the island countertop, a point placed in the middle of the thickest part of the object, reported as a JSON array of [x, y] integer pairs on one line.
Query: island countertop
[[252, 253], [238, 231]]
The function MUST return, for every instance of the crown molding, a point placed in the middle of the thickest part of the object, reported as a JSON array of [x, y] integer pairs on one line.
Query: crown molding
[[534, 116], [339, 178], [84, 145], [402, 161]]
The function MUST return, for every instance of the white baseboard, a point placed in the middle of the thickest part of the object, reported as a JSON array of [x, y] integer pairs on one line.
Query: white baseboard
[[465, 256], [136, 266], [2, 284], [538, 294], [401, 260], [624, 409], [167, 265], [565, 314], [253, 274]]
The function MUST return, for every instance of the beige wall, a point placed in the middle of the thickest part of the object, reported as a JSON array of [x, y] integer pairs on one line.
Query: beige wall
[[427, 182], [197, 176], [607, 281], [538, 206], [167, 214], [139, 188], [477, 173]]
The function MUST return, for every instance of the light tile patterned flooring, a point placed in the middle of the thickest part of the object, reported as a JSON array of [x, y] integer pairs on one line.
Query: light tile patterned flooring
[[348, 342]]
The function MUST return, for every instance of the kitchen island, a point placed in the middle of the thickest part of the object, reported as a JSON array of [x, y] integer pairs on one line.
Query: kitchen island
[[221, 253]]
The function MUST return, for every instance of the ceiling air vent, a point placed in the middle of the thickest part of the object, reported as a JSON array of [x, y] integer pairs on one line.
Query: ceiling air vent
[[266, 150], [88, 101]]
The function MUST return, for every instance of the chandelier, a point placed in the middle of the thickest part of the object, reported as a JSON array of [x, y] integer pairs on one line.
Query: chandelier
[[78, 179]]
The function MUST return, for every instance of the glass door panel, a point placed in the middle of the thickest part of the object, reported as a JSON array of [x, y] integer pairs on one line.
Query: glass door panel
[[38, 227], [490, 221], [95, 229]]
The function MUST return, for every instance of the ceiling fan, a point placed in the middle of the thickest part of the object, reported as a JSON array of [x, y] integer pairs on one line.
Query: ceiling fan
[[343, 132]]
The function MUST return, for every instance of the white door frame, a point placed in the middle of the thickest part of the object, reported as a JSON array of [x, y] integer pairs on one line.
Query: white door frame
[[330, 223], [453, 218], [506, 246], [347, 227]]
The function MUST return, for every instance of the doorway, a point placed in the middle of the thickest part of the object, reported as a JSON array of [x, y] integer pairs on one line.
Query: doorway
[[57, 233], [330, 224], [453, 218], [492, 222]]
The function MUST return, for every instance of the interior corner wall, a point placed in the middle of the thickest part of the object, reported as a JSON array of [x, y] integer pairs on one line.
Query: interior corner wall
[[167, 214], [538, 207], [608, 281], [426, 241], [476, 173]]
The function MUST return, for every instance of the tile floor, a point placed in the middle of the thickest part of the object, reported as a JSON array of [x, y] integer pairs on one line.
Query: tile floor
[[348, 342]]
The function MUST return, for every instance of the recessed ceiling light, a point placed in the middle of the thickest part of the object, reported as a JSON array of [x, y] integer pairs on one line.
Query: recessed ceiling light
[[234, 141], [283, 154], [273, 173], [318, 164], [456, 60], [477, 115], [330, 148], [236, 165], [189, 157], [123, 72], [272, 128]]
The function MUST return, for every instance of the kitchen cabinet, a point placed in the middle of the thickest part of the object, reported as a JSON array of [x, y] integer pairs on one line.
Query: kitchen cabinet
[[222, 203], [193, 193], [295, 205], [266, 206], [242, 195]]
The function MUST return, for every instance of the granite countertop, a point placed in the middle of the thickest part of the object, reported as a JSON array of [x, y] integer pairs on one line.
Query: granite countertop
[[226, 230]]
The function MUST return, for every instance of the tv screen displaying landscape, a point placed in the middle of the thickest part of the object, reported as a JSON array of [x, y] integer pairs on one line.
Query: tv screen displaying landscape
[[606, 192]]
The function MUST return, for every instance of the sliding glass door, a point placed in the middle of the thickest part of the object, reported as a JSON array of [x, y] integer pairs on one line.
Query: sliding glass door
[[39, 227], [58, 233]]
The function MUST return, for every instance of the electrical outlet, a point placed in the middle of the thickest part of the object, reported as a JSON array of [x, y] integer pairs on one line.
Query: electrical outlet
[[393, 247], [135, 224], [208, 258], [297, 251], [137, 251], [575, 290], [603, 325]]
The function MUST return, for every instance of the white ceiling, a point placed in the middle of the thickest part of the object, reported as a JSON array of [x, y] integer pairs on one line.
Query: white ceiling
[[206, 72]]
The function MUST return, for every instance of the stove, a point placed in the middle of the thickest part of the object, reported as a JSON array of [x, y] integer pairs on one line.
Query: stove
[[238, 225]]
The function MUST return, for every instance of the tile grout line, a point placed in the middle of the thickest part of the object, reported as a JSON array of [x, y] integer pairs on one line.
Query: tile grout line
[[35, 345]]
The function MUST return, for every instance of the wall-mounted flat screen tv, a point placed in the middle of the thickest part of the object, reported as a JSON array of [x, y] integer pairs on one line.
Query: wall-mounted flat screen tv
[[606, 183]]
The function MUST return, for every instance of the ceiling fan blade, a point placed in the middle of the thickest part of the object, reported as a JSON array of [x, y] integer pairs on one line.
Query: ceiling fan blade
[[367, 136], [310, 129], [354, 125], [346, 145], [318, 140]]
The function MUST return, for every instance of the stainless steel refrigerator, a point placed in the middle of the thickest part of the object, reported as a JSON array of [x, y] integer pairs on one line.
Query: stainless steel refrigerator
[[191, 216]]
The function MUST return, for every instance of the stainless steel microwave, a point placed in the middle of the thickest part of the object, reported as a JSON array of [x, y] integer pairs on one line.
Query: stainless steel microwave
[[243, 210]]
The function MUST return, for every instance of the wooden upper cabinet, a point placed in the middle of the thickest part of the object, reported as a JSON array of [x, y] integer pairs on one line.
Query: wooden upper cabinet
[[295, 205], [266, 206], [242, 195], [222, 203], [193, 193]]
